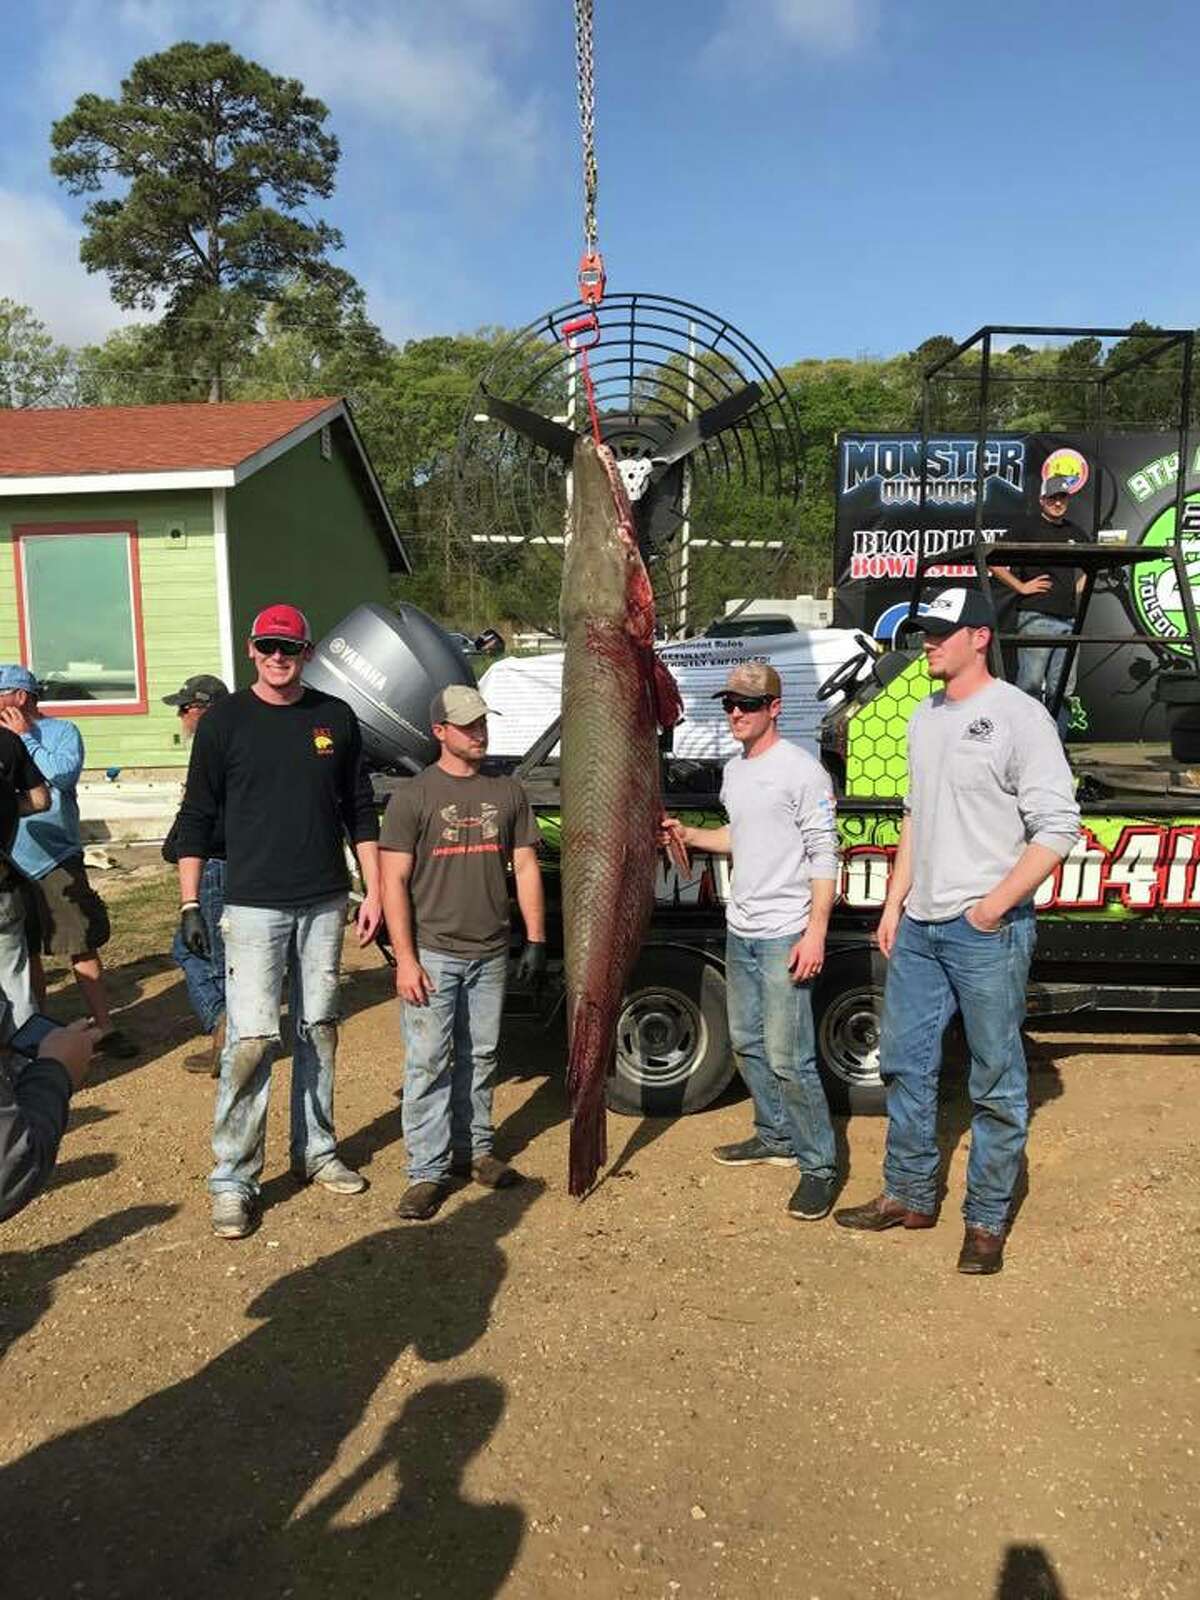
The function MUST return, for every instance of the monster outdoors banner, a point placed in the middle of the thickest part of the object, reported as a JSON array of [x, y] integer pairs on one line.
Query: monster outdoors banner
[[1123, 486]]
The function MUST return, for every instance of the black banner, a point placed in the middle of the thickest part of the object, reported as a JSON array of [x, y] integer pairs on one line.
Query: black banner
[[1123, 490]]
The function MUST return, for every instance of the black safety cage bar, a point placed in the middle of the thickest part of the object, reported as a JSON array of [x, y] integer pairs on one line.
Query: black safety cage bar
[[1091, 559]]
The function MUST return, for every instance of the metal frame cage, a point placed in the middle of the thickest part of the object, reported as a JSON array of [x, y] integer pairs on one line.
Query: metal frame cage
[[1161, 340], [660, 368]]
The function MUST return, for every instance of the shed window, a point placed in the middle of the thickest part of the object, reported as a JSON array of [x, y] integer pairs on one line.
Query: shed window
[[81, 615]]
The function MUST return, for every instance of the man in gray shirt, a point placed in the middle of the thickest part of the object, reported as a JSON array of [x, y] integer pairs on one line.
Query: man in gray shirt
[[990, 812], [782, 835]]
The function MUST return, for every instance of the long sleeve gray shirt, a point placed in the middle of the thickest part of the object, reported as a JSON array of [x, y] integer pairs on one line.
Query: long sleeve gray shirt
[[783, 831], [33, 1115], [986, 777]]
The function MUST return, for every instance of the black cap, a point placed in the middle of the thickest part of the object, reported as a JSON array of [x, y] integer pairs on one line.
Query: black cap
[[1055, 486], [200, 690], [954, 609]]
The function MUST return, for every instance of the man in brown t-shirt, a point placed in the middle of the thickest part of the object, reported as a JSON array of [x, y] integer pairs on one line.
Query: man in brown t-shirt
[[445, 845]]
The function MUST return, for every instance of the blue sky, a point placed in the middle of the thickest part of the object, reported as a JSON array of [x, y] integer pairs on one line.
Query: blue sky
[[837, 177]]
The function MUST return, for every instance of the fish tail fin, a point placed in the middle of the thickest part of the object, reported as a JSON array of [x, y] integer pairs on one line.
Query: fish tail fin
[[586, 1071]]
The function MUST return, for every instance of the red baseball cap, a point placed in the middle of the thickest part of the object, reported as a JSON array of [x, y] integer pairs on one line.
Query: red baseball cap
[[281, 622]]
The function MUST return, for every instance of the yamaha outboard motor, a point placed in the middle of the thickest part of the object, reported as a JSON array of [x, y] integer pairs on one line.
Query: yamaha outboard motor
[[387, 666]]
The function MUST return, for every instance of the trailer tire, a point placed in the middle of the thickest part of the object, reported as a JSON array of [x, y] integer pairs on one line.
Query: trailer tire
[[847, 1008], [673, 1053]]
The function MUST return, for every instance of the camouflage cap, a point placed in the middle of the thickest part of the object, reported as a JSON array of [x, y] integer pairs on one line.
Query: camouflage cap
[[752, 678]]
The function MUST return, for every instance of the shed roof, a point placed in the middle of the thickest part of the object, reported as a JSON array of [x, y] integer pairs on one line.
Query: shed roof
[[126, 449], [171, 438]]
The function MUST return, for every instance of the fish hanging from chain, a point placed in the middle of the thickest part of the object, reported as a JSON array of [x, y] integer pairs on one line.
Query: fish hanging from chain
[[617, 694]]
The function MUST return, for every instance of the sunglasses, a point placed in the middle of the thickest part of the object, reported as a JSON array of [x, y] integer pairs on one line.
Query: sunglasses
[[279, 647], [745, 702], [182, 711]]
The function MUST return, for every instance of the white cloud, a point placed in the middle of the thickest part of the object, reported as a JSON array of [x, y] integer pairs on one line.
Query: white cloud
[[427, 71], [430, 68], [754, 32], [40, 268]]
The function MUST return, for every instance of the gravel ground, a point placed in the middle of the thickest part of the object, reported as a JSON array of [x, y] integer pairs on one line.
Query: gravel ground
[[669, 1390]]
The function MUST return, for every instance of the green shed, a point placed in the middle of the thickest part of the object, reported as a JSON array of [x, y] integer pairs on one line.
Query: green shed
[[142, 540]]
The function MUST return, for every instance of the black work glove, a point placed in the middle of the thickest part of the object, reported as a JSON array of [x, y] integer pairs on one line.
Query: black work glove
[[194, 933], [531, 967]]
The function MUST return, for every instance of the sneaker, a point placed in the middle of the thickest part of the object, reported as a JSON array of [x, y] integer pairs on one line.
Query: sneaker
[[752, 1153], [232, 1215], [420, 1200], [487, 1170], [334, 1175], [117, 1045], [813, 1198]]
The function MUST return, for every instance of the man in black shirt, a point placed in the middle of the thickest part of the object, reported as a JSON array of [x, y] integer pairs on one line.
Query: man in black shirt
[[283, 765], [204, 975], [1047, 597], [23, 793]]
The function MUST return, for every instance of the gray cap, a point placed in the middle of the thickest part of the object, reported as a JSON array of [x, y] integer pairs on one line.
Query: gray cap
[[459, 703], [1055, 486]]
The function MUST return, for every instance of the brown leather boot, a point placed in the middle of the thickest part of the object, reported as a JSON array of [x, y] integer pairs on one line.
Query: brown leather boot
[[982, 1252], [218, 1044], [883, 1212]]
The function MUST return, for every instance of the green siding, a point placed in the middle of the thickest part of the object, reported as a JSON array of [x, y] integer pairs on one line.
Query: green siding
[[300, 530], [179, 610]]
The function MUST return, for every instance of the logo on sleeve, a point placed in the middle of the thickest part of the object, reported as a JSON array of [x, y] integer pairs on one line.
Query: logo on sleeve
[[323, 741], [982, 729]]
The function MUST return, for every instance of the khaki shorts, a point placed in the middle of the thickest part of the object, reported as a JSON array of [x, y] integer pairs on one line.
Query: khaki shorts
[[64, 916]]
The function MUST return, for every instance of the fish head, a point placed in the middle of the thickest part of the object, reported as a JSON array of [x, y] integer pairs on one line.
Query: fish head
[[604, 577]]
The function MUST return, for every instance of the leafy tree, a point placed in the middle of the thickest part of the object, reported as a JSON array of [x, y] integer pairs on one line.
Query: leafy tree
[[137, 366], [315, 341], [34, 371], [218, 159]]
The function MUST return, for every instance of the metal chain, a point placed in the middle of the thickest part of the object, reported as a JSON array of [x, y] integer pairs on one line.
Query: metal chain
[[587, 115]]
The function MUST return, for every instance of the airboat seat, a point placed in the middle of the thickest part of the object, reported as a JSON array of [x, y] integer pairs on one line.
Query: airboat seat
[[1133, 771]]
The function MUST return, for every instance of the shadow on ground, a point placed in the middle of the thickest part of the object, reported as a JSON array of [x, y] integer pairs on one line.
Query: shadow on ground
[[27, 1277], [197, 1490], [1028, 1574]]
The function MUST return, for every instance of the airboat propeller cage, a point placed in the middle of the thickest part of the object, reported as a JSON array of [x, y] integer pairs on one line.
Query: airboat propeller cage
[[387, 666], [690, 407]]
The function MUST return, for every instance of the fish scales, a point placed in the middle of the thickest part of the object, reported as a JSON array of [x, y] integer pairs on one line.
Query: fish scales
[[615, 696]]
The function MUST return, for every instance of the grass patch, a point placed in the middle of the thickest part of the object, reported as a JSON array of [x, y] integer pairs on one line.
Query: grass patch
[[143, 908]]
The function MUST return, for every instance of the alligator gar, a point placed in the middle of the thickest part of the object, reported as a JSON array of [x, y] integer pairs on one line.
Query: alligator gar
[[616, 695]]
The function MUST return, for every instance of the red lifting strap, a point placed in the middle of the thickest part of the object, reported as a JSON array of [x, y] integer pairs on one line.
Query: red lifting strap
[[580, 335]]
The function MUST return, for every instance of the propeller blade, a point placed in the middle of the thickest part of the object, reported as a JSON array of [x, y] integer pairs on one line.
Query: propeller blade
[[552, 436], [717, 418], [655, 515]]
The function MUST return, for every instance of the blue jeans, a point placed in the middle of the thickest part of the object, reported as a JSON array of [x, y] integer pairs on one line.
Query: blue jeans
[[205, 976], [260, 944], [16, 981], [771, 1030], [450, 1047], [1039, 672], [936, 968]]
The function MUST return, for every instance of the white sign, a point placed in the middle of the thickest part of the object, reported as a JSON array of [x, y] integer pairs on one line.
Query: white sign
[[527, 690]]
